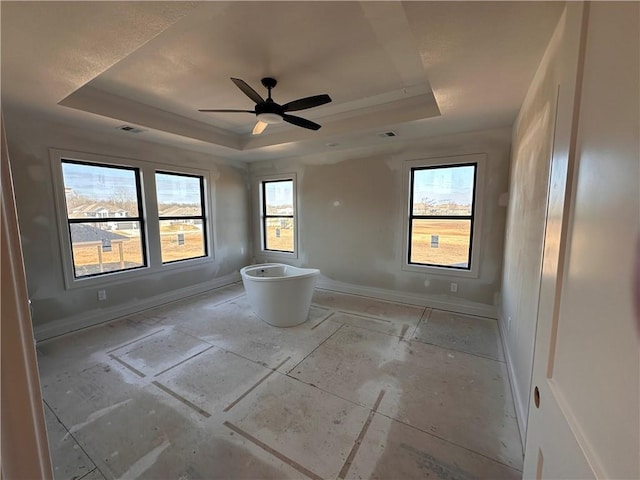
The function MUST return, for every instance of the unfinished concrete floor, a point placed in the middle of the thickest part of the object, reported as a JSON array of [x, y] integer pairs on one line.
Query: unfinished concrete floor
[[202, 388]]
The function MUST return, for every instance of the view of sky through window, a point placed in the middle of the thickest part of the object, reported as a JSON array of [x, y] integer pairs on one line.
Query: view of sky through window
[[105, 183], [99, 183], [279, 193], [443, 186], [178, 189]]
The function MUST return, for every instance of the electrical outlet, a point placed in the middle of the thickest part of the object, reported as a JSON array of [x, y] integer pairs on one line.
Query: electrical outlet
[[454, 287], [102, 295]]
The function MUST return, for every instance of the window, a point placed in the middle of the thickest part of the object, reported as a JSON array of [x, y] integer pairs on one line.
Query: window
[[124, 218], [181, 215], [104, 217], [278, 215], [441, 215]]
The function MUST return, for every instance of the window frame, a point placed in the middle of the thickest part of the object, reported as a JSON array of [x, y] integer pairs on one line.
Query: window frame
[[202, 216], [102, 219], [262, 216], [152, 245], [410, 167]]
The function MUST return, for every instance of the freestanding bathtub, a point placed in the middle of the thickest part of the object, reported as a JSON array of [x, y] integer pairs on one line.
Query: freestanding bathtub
[[279, 294]]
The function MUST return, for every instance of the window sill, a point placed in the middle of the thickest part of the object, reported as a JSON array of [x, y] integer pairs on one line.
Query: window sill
[[441, 271], [272, 255], [112, 278]]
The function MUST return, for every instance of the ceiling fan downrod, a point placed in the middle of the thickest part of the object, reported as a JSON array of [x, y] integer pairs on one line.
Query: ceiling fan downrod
[[269, 83]]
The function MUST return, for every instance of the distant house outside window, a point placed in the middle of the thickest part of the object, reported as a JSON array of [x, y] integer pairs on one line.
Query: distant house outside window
[[278, 215], [442, 215], [181, 214], [104, 217]]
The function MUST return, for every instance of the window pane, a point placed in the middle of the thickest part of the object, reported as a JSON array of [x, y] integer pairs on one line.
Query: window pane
[[279, 234], [441, 242], [98, 249], [94, 191], [443, 190], [178, 195], [279, 197], [181, 239]]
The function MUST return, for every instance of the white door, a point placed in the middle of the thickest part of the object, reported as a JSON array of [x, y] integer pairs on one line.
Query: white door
[[584, 415]]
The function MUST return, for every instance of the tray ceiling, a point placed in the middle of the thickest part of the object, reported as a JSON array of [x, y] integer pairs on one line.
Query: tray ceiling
[[418, 68]]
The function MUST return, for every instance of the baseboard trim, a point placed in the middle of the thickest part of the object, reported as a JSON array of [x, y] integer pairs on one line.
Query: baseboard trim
[[80, 321], [520, 406], [84, 320], [451, 305]]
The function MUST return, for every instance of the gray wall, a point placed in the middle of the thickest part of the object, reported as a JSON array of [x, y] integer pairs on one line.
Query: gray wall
[[350, 213], [29, 140], [358, 242]]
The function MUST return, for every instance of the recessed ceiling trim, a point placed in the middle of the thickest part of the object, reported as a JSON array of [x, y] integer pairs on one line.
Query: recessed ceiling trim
[[376, 117], [386, 98], [96, 101], [406, 108]]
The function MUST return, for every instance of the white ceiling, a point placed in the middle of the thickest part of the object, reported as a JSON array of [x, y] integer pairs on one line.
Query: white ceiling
[[417, 68]]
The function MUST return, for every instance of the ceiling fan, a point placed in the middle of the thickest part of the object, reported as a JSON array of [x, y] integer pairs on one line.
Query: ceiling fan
[[269, 112]]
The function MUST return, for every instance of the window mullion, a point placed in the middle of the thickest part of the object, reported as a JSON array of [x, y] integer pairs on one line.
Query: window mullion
[[185, 217], [104, 219], [442, 217]]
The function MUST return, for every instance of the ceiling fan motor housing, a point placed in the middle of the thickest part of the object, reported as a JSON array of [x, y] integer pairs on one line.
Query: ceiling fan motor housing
[[269, 112]]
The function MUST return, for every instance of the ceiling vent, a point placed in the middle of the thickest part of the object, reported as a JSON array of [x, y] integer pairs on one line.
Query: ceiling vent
[[130, 129], [390, 133]]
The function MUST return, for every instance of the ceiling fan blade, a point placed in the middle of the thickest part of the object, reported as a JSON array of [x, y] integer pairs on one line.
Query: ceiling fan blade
[[307, 102], [223, 110], [247, 90], [300, 122], [259, 128]]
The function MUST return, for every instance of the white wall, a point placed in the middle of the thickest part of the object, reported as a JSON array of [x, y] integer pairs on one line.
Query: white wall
[[350, 214], [56, 309], [526, 218]]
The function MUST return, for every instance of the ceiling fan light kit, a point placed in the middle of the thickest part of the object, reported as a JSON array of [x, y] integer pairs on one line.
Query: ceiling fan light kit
[[259, 127], [269, 118], [269, 112]]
